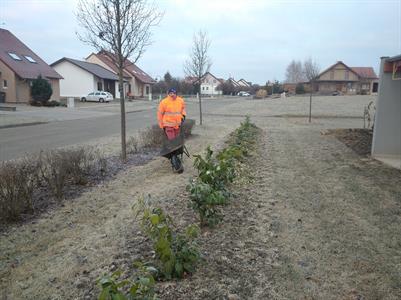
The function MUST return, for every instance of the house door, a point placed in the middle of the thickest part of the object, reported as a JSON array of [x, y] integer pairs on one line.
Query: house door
[[109, 86], [375, 87]]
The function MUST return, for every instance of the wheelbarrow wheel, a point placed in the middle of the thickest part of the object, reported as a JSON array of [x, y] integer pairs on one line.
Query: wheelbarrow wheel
[[177, 164]]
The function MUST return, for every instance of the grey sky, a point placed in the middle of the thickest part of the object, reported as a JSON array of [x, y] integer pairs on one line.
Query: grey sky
[[251, 39]]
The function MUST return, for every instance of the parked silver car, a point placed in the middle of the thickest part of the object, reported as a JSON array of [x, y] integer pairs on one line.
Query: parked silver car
[[98, 96], [243, 94]]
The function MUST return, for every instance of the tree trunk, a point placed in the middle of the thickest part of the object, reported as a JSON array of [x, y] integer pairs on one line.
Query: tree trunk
[[122, 105], [121, 63], [310, 101], [200, 106]]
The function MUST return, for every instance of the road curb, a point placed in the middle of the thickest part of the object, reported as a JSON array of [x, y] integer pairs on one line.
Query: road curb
[[22, 124]]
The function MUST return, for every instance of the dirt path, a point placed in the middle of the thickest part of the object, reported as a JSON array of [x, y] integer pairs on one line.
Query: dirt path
[[315, 221]]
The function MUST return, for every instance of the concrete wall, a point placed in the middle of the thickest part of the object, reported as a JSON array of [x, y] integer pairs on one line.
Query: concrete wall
[[77, 82], [387, 130], [8, 75], [55, 83], [23, 90]]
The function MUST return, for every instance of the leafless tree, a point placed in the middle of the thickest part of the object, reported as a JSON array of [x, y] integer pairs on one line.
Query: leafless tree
[[294, 72], [311, 70], [199, 62], [122, 29]]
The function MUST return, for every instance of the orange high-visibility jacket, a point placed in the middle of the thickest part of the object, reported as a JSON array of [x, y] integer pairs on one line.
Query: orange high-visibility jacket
[[170, 112]]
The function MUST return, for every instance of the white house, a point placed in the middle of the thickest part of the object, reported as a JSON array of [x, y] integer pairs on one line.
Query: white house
[[81, 78], [138, 83], [386, 144], [209, 85]]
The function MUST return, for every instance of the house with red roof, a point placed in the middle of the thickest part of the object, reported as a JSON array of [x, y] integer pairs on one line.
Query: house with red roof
[[347, 80], [138, 83], [19, 66]]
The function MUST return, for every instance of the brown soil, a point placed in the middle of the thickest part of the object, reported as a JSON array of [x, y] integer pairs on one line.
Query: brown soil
[[309, 219], [358, 139]]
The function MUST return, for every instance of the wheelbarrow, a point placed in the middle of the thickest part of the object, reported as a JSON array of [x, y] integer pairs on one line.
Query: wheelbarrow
[[174, 150]]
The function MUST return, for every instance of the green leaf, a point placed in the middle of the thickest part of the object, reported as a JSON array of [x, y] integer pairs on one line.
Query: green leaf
[[151, 269], [154, 219], [118, 296], [179, 269], [144, 281]]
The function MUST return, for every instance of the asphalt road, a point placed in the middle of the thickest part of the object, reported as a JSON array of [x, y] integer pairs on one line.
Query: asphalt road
[[18, 141]]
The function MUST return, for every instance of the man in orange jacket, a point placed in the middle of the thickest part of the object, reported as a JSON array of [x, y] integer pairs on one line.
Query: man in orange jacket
[[170, 115]]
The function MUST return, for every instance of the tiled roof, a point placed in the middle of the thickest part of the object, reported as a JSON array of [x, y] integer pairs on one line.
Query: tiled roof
[[235, 83], [22, 66], [95, 69], [130, 68], [365, 72], [107, 59]]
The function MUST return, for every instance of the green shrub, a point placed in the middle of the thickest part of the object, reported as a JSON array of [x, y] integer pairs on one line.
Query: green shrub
[[209, 190], [141, 288], [205, 200], [41, 90], [177, 253], [52, 103], [216, 173]]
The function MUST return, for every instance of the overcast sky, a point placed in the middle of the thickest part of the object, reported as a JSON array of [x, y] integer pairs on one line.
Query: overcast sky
[[250, 39]]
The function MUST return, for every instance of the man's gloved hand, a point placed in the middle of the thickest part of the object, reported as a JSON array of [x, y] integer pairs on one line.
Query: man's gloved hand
[[182, 119]]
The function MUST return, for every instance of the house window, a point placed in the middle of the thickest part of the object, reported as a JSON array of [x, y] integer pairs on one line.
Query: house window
[[14, 56], [203, 88], [347, 75], [147, 90], [30, 59], [5, 84], [99, 86]]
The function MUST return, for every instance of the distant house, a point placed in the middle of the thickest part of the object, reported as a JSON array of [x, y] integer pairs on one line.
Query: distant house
[[81, 78], [209, 85], [234, 82], [347, 80], [19, 65], [244, 83], [139, 84], [386, 144]]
